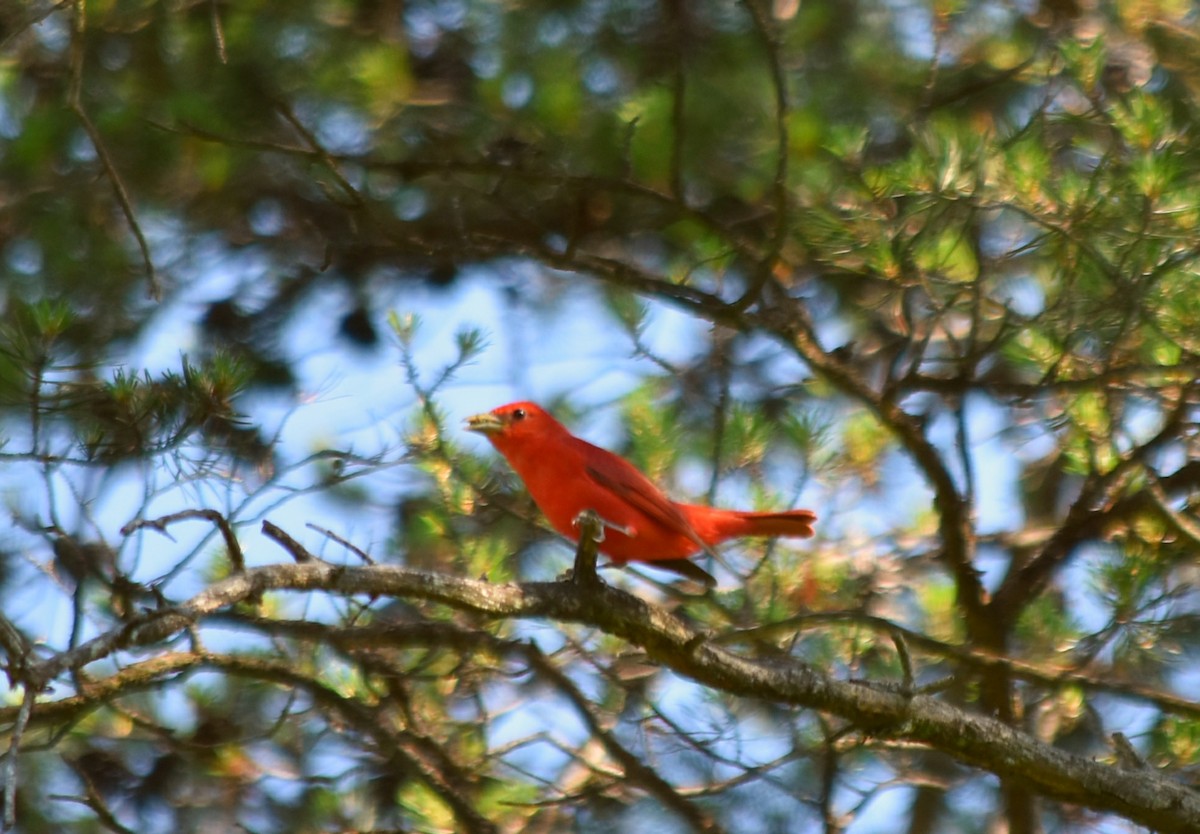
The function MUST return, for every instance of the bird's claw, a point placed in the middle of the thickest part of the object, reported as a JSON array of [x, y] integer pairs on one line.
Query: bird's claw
[[600, 523], [590, 519], [569, 576]]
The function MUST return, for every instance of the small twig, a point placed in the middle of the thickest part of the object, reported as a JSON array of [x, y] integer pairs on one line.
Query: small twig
[[633, 768], [236, 558], [75, 101], [829, 774], [10, 761], [905, 660], [1182, 524], [677, 28], [353, 548], [779, 189], [963, 442], [218, 31], [298, 551], [18, 648], [1127, 756], [326, 158], [940, 27], [96, 803], [627, 147], [192, 131], [37, 18]]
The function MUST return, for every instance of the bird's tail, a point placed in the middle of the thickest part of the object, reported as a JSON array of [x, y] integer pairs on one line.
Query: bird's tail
[[715, 526], [791, 523]]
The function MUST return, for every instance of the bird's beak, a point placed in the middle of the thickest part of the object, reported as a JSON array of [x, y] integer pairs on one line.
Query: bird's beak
[[486, 423]]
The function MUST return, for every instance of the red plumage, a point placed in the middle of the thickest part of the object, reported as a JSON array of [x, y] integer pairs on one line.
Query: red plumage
[[566, 475]]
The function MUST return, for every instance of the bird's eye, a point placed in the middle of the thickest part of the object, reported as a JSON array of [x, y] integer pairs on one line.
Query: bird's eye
[[519, 414]]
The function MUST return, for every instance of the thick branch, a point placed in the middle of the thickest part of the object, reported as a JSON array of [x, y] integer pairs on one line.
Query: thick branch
[[1097, 679], [1141, 796]]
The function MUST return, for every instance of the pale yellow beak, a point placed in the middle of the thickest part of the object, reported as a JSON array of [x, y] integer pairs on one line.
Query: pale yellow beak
[[486, 423]]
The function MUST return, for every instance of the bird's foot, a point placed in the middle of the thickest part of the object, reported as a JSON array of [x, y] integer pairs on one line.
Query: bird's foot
[[569, 576], [591, 518]]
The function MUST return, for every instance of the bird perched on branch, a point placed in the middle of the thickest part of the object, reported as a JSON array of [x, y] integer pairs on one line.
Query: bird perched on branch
[[566, 476]]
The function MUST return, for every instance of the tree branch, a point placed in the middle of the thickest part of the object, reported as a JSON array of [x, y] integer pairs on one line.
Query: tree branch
[[236, 558], [10, 758], [442, 776], [1090, 512], [790, 322], [634, 768], [1102, 679], [1143, 797]]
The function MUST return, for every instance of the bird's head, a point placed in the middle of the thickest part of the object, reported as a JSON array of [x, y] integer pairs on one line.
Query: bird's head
[[514, 425]]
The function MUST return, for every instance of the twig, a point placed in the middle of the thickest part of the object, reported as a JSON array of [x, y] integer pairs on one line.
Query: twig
[[218, 31], [96, 803], [1127, 756], [779, 188], [1090, 510], [722, 347], [408, 750], [791, 321], [18, 648], [236, 558], [37, 18], [905, 659], [298, 551], [1182, 524], [634, 769], [677, 27], [310, 138], [627, 147], [829, 773], [75, 101], [353, 548], [10, 760], [940, 26], [963, 442]]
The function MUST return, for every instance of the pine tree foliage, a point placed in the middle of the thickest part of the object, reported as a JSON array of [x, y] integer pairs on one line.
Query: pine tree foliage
[[929, 268]]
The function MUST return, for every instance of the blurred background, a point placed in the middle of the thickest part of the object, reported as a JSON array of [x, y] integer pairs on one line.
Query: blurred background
[[926, 268]]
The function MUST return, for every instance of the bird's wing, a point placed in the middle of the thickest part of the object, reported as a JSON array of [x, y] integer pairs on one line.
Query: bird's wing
[[620, 478]]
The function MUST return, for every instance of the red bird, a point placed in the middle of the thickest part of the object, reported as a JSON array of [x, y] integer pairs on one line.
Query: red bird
[[566, 475]]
